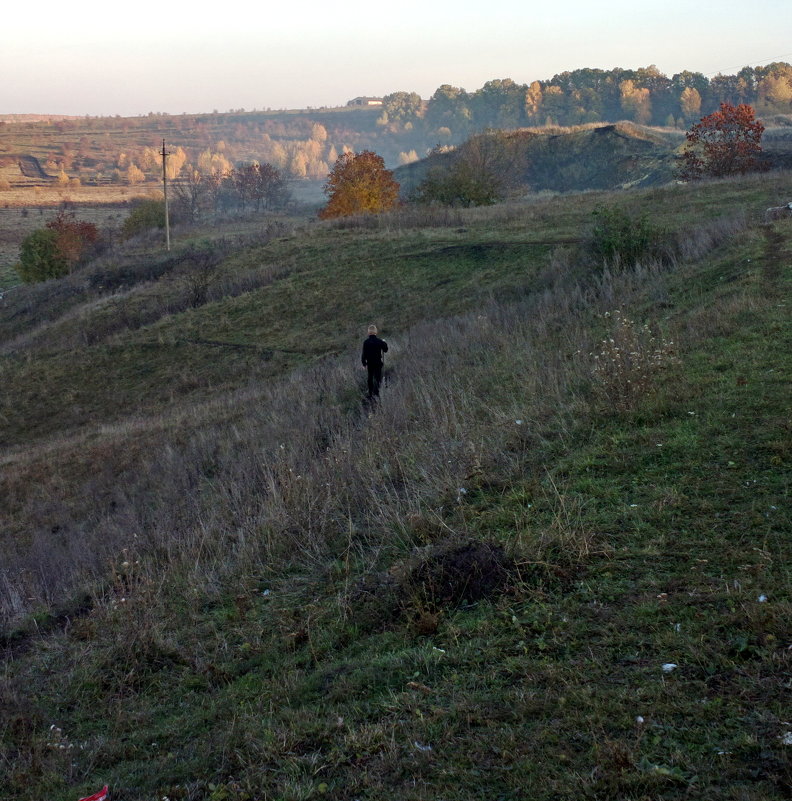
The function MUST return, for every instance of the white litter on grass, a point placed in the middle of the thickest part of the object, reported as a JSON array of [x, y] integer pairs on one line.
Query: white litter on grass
[[762, 599], [422, 747], [786, 738], [669, 666], [639, 719], [265, 593], [677, 627], [439, 650], [518, 422]]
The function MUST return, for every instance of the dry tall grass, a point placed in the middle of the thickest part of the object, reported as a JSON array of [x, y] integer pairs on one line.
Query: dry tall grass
[[299, 472]]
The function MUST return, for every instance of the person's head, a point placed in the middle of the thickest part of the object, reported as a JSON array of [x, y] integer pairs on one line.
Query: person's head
[[372, 329]]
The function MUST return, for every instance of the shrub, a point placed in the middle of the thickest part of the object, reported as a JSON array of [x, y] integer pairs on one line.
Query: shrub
[[39, 259], [628, 361], [53, 251], [146, 213], [458, 185], [618, 238]]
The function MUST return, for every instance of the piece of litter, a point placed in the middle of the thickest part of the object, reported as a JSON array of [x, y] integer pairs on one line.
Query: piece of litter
[[639, 720], [265, 593], [422, 747], [633, 506], [762, 599], [439, 650], [677, 627], [669, 666], [100, 796], [518, 422], [786, 738]]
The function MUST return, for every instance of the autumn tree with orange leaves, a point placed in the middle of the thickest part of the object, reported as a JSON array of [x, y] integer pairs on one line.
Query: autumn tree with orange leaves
[[359, 184], [726, 142]]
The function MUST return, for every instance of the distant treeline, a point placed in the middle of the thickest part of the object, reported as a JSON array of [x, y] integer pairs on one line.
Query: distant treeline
[[405, 127], [645, 96]]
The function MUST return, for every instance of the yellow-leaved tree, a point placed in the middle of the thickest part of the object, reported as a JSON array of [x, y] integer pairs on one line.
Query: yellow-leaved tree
[[359, 184]]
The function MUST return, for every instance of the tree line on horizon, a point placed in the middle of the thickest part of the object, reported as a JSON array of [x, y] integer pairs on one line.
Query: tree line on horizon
[[404, 128], [645, 96]]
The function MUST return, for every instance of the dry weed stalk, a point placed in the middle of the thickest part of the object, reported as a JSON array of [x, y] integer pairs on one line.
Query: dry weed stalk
[[628, 362]]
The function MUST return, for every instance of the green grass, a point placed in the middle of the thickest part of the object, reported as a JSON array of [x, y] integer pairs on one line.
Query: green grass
[[333, 283], [271, 685]]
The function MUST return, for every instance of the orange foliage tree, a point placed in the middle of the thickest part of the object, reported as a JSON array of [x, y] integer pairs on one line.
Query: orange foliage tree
[[359, 184], [72, 237], [726, 142]]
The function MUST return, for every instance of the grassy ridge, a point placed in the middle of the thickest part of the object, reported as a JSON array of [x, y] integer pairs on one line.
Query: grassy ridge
[[255, 667], [324, 285]]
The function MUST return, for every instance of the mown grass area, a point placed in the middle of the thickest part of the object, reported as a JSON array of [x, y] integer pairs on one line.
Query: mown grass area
[[277, 660]]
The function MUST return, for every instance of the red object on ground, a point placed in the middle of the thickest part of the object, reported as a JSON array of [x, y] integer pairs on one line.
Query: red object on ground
[[100, 796]]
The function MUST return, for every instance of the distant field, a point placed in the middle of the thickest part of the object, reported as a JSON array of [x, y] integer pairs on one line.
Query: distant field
[[53, 195]]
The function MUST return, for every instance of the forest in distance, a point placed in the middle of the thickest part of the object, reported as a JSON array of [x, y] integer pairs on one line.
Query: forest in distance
[[402, 128]]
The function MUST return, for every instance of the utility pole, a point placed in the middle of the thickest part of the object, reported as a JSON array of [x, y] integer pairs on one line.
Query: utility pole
[[164, 153]]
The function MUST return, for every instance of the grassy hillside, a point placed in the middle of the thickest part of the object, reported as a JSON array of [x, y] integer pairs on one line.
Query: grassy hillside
[[227, 577], [621, 155], [572, 159]]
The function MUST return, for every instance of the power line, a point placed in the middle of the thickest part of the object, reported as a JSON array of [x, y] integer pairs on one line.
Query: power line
[[740, 66]]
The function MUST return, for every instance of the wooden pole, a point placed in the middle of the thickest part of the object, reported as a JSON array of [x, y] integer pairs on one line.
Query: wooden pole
[[165, 154]]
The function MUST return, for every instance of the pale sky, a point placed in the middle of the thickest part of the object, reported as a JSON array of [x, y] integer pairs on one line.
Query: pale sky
[[101, 58]]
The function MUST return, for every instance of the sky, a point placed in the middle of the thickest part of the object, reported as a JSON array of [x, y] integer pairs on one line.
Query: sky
[[82, 57]]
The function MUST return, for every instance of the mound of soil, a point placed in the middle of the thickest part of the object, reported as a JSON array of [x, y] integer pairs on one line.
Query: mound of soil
[[441, 576]]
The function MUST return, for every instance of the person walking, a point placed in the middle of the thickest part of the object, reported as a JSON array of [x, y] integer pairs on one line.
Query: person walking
[[373, 348]]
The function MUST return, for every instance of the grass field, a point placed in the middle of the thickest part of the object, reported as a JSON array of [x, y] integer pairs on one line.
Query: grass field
[[520, 576]]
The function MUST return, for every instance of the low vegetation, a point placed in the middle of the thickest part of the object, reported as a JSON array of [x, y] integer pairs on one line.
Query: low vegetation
[[552, 563], [56, 249], [620, 238]]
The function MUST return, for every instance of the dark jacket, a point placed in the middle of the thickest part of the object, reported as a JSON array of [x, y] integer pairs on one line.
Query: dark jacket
[[373, 348]]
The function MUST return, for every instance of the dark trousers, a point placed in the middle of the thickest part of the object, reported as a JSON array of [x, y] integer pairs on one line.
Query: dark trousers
[[374, 379]]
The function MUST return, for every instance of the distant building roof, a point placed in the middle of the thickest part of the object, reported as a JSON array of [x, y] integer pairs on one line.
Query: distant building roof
[[365, 101]]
